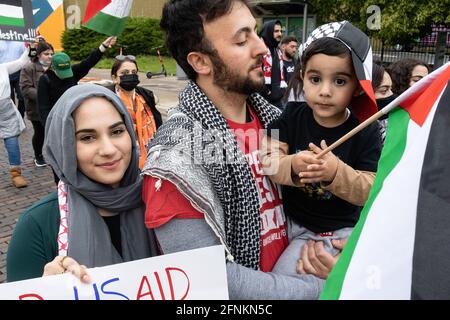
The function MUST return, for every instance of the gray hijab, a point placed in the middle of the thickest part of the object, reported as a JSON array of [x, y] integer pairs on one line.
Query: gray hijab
[[88, 237]]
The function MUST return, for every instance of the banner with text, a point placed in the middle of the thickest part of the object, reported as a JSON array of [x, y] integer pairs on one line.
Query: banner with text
[[188, 275], [16, 20]]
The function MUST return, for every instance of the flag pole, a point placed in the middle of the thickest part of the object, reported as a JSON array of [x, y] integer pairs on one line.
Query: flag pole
[[418, 87]]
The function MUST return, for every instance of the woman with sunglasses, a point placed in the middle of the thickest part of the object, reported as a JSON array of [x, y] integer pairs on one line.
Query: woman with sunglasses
[[140, 102]]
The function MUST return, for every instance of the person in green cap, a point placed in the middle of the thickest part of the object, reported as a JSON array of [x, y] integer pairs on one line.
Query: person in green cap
[[62, 75]]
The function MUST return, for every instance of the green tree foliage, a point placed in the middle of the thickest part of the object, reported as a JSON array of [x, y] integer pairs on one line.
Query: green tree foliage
[[141, 36], [400, 19]]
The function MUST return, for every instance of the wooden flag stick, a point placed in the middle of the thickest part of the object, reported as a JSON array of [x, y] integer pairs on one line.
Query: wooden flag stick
[[351, 133], [417, 88]]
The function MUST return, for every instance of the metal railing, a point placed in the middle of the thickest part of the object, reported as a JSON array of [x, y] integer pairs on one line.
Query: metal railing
[[421, 50]]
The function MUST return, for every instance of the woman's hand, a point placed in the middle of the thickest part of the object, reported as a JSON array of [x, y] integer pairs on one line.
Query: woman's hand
[[316, 260], [64, 264], [109, 42]]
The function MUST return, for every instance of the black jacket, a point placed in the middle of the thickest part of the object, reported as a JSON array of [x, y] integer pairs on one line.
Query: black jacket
[[51, 87], [273, 94]]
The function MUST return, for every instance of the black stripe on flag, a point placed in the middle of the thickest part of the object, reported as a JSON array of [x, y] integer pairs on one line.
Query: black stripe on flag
[[431, 258], [17, 3]]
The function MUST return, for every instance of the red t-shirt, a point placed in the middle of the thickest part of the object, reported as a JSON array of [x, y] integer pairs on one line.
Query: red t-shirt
[[273, 222]]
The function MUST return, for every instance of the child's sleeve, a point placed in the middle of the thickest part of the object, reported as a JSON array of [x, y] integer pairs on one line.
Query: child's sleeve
[[274, 151], [353, 184], [276, 162]]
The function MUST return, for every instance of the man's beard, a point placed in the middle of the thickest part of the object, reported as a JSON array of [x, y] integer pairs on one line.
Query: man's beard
[[232, 81], [289, 55]]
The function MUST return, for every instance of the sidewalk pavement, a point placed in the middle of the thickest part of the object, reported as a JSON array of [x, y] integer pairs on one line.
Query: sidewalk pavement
[[14, 201]]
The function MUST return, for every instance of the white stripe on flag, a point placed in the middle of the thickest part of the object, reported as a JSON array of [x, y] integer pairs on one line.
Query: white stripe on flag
[[11, 11], [118, 8], [390, 228]]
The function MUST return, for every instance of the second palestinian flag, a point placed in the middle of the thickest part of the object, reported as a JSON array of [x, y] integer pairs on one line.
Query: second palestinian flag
[[400, 247], [107, 16]]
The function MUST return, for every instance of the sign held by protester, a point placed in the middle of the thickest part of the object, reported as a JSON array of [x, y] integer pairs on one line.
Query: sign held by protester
[[188, 275], [107, 16], [16, 20]]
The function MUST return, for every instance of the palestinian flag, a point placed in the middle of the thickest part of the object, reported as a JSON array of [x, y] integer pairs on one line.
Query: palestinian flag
[[400, 247], [11, 13], [107, 16]]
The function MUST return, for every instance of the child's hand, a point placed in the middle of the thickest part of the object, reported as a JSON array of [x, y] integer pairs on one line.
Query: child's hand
[[324, 172], [302, 160]]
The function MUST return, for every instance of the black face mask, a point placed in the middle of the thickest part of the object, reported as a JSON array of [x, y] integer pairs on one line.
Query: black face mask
[[129, 82], [383, 102]]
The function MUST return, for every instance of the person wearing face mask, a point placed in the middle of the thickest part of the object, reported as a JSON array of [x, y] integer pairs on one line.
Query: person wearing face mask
[[61, 75], [29, 79], [140, 102], [382, 87]]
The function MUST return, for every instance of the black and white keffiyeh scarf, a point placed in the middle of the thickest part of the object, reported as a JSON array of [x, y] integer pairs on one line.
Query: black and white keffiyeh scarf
[[229, 174]]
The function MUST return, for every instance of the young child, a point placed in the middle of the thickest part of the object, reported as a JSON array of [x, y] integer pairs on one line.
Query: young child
[[322, 197]]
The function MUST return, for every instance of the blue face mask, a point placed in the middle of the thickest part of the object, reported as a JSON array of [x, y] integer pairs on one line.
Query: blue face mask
[[44, 63]]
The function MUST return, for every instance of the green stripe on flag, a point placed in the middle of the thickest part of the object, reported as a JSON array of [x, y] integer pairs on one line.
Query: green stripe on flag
[[107, 24], [17, 22], [392, 153]]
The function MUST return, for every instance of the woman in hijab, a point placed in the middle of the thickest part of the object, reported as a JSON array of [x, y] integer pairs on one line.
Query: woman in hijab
[[96, 217]]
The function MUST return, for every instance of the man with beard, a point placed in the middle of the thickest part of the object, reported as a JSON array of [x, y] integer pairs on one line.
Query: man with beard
[[274, 76], [289, 46], [203, 183]]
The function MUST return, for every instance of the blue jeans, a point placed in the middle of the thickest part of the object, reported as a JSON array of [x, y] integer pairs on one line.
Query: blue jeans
[[13, 149]]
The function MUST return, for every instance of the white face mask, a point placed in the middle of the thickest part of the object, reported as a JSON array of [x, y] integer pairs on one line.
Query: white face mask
[[43, 63]]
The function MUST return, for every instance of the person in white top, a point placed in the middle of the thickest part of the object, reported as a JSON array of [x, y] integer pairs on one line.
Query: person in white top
[[11, 122]]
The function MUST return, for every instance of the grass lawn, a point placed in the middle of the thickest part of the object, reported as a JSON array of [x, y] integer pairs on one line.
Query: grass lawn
[[145, 63]]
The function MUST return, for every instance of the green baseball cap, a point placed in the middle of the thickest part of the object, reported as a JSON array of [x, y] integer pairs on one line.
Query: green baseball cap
[[61, 65]]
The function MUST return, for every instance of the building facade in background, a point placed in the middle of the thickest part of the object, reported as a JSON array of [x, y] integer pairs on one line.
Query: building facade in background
[[74, 10]]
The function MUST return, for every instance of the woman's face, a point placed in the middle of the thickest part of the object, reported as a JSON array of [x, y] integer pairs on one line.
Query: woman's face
[[46, 56], [384, 90], [127, 67], [102, 141], [417, 73]]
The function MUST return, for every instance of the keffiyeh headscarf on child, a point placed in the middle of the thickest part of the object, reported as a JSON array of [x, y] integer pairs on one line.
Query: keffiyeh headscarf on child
[[358, 43]]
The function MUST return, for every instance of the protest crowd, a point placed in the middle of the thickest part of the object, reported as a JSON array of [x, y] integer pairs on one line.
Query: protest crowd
[[250, 158]]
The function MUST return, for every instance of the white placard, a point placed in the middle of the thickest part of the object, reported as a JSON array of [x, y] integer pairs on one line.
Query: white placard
[[188, 275]]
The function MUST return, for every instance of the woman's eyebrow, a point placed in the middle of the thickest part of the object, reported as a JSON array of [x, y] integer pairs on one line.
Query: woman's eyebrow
[[93, 130]]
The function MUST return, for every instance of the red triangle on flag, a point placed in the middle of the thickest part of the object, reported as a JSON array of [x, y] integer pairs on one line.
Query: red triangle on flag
[[93, 7], [419, 104]]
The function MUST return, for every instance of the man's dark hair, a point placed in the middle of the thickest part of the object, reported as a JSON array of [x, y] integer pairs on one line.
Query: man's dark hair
[[288, 39], [182, 21]]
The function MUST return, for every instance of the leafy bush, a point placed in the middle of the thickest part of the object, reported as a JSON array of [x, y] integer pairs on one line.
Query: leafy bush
[[141, 36]]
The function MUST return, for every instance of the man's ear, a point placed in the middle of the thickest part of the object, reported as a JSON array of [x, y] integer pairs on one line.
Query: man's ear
[[199, 62]]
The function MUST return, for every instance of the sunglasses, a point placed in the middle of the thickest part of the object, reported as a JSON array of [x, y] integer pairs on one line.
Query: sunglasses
[[122, 57]]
